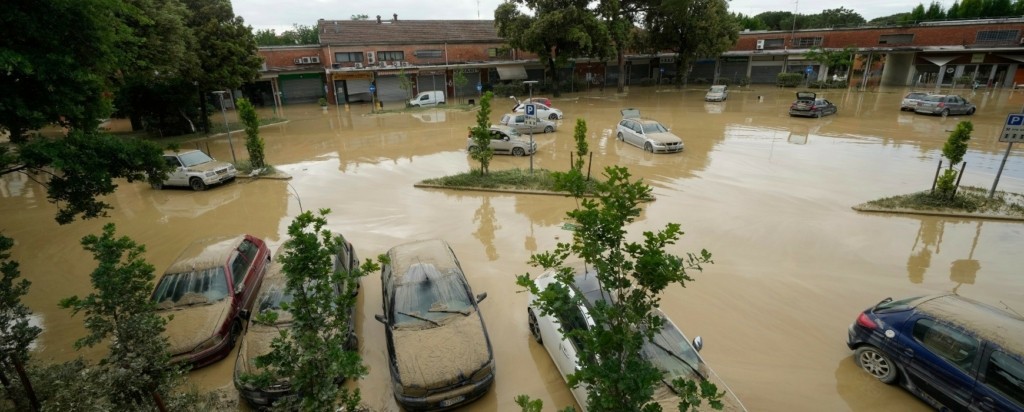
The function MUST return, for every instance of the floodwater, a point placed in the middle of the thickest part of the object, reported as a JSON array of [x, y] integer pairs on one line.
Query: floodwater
[[768, 195]]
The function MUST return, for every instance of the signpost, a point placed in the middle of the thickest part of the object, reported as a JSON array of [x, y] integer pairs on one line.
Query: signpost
[[373, 97], [1013, 132], [531, 111]]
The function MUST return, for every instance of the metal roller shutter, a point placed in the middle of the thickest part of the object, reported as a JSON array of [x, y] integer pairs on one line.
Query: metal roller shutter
[[764, 74], [389, 90], [611, 76], [469, 89], [358, 90], [301, 90], [639, 71], [702, 70], [734, 71], [426, 83]]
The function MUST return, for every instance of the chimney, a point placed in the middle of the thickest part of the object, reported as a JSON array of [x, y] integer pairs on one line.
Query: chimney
[[378, 19], [395, 18], [335, 26]]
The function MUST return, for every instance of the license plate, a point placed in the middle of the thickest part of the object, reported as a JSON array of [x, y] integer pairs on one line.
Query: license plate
[[449, 402]]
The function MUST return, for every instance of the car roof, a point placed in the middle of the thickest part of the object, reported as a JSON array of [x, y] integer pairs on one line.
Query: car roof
[[205, 253], [502, 128], [986, 322], [179, 152], [418, 255]]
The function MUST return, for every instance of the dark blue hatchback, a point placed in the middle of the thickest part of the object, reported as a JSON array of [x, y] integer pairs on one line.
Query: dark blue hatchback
[[954, 353]]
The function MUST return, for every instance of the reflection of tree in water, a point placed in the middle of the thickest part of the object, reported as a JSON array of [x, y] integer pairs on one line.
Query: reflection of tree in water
[[484, 216], [929, 236], [966, 270]]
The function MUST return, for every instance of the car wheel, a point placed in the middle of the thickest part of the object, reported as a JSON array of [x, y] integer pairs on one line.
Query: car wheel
[[549, 129], [553, 117], [648, 147], [352, 343], [534, 327], [236, 331], [873, 361], [197, 184], [620, 137], [518, 151], [970, 112], [817, 115], [945, 112]]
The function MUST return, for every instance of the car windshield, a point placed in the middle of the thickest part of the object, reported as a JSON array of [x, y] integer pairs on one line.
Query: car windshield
[[194, 158], [191, 288], [654, 127], [672, 353], [272, 298], [916, 95], [717, 89], [427, 297]]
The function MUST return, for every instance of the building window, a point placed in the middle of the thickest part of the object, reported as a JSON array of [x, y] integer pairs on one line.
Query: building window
[[390, 56], [896, 39], [997, 36], [806, 41], [428, 54], [774, 43], [499, 52], [348, 57]]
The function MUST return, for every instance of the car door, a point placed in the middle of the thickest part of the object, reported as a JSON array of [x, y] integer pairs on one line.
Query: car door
[[960, 104], [940, 360], [519, 123], [830, 107], [499, 142], [247, 265], [638, 135], [1000, 383], [177, 176], [567, 358]]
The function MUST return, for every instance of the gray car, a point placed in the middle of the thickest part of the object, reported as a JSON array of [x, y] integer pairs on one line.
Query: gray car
[[505, 140], [944, 104], [646, 134], [911, 100], [522, 124]]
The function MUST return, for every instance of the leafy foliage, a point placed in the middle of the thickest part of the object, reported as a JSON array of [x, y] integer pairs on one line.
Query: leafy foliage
[[227, 52], [691, 28], [954, 149], [16, 334], [789, 79], [311, 353], [253, 141], [481, 134], [833, 58], [617, 376], [120, 313], [573, 181], [299, 34]]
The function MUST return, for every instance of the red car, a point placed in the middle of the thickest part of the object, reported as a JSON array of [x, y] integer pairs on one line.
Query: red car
[[207, 293]]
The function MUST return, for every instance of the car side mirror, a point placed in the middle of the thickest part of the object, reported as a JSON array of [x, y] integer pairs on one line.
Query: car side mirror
[[240, 289], [481, 297], [505, 138], [698, 343], [380, 318]]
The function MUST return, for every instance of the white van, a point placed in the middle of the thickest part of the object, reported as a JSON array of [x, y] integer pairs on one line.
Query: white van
[[431, 98]]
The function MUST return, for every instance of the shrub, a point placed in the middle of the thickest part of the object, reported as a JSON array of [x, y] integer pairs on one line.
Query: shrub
[[503, 90], [744, 81], [789, 79]]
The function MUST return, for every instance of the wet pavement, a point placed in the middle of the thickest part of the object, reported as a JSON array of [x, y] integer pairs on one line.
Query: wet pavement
[[767, 194]]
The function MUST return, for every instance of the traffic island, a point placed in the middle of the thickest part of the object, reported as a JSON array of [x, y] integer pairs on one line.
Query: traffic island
[[969, 202]]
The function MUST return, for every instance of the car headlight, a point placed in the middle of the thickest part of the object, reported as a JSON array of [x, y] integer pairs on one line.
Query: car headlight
[[209, 343], [482, 374], [211, 174]]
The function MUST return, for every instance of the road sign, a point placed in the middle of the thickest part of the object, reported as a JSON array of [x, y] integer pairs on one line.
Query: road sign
[[531, 110], [373, 89], [809, 69], [1013, 130], [479, 87]]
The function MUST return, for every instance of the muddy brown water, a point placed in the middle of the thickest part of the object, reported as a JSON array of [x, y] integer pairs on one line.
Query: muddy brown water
[[767, 194]]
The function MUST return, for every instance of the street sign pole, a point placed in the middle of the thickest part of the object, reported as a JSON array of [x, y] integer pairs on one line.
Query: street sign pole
[[1013, 131], [531, 111]]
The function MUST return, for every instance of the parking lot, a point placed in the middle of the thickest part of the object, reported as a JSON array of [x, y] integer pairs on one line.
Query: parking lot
[[768, 195]]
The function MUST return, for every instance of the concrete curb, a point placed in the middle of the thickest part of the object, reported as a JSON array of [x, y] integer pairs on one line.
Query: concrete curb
[[278, 175], [496, 190], [876, 209]]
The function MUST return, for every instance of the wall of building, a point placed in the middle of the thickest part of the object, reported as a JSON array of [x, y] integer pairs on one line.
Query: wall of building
[[947, 35]]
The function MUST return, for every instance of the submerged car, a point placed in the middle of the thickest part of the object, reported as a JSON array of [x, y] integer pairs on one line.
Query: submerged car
[[808, 104], [523, 124], [505, 140], [717, 93], [952, 352], [195, 169], [647, 134], [944, 104], [911, 99], [439, 352], [208, 293], [543, 111], [259, 336], [669, 350]]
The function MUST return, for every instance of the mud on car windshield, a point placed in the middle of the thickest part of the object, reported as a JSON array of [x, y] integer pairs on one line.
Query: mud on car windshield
[[427, 297]]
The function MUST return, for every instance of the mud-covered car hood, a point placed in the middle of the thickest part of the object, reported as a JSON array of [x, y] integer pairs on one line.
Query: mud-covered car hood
[[664, 137], [257, 342], [194, 324], [441, 356], [209, 166], [669, 401]]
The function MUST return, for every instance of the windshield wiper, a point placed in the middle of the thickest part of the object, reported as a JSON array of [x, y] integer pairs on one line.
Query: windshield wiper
[[419, 317], [674, 355], [463, 312]]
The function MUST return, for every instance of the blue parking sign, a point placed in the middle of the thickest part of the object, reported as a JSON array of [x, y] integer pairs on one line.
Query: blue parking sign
[[479, 87], [809, 69], [531, 110], [373, 88]]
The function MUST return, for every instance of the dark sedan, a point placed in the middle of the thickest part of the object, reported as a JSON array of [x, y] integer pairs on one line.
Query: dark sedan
[[808, 104], [944, 105]]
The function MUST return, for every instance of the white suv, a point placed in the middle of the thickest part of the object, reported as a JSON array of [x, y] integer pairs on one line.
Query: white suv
[[195, 169]]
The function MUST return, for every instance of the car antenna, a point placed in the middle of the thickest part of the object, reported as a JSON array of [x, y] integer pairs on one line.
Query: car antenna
[[1011, 309]]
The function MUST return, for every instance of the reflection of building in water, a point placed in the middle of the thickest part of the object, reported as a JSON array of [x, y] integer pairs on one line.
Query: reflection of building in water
[[485, 231], [14, 184], [929, 237]]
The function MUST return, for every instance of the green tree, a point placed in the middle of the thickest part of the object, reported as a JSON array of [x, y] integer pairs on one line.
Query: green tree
[[481, 134], [692, 29], [954, 11], [120, 314], [226, 49], [557, 30], [405, 83], [917, 14], [620, 17], [310, 353], [954, 149], [253, 141], [749, 22], [840, 17], [267, 37], [935, 12], [459, 80], [617, 376], [359, 17], [16, 333], [833, 58]]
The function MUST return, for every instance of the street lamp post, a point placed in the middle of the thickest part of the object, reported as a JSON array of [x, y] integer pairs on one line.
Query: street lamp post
[[223, 112], [529, 86]]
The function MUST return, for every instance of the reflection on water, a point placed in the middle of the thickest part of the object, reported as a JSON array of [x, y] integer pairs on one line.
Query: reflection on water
[[768, 195]]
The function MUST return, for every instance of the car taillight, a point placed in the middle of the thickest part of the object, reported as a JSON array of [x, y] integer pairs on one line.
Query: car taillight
[[865, 321], [942, 105]]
